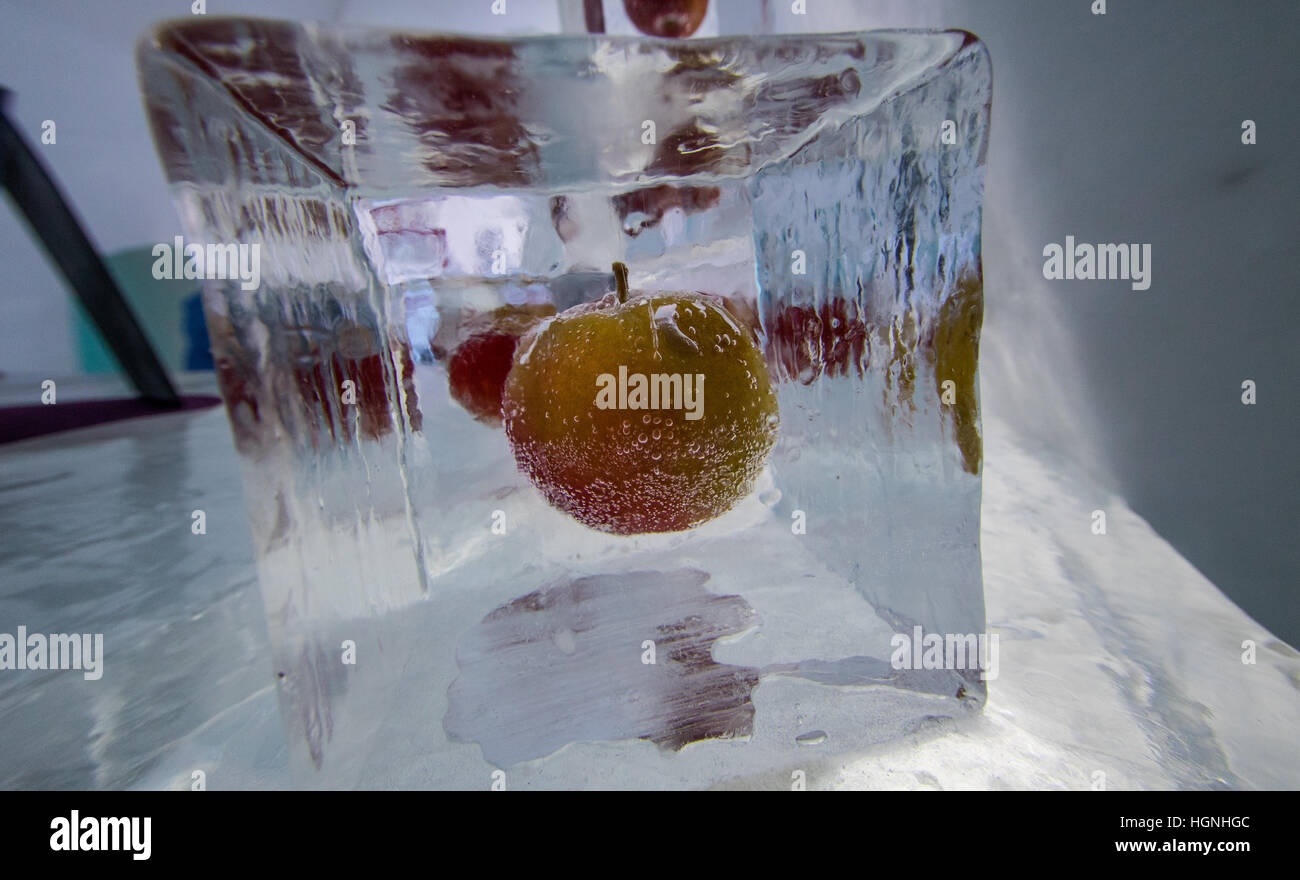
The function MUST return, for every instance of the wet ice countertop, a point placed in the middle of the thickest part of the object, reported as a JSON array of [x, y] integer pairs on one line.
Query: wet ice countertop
[[1120, 664]]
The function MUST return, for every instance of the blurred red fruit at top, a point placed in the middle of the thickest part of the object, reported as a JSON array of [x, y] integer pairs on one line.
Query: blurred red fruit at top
[[666, 18]]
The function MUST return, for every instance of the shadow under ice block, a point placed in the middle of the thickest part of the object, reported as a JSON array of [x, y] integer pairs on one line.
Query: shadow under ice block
[[434, 620]]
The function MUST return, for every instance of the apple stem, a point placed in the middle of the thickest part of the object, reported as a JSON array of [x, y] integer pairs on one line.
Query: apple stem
[[620, 280]]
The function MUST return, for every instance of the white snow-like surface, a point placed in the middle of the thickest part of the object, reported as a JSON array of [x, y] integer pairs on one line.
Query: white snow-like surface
[[1117, 657]]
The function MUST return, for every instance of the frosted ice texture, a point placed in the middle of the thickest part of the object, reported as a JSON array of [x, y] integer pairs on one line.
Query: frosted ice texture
[[805, 179]]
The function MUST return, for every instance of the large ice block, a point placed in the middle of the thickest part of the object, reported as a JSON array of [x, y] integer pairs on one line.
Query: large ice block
[[434, 620]]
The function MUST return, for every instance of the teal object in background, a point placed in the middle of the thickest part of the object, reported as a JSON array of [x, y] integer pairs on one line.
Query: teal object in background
[[169, 311]]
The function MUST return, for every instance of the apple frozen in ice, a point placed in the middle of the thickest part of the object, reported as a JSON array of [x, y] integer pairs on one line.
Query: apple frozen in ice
[[477, 369], [640, 413]]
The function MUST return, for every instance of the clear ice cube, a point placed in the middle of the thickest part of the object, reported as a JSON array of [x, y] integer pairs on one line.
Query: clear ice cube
[[402, 188]]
